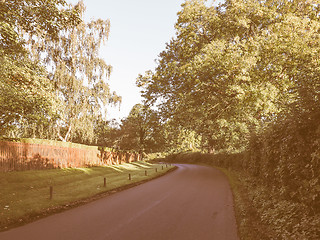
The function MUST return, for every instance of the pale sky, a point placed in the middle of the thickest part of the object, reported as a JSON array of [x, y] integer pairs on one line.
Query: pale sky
[[138, 33]]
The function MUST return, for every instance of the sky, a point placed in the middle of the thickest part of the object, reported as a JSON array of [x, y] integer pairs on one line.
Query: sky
[[139, 31]]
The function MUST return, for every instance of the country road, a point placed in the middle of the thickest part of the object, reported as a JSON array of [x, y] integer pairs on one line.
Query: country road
[[192, 203]]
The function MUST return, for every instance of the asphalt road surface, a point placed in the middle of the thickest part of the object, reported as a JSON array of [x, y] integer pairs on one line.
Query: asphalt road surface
[[191, 203]]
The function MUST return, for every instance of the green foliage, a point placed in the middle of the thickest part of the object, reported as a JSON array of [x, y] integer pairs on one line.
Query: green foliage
[[245, 76], [30, 17], [286, 155], [51, 71], [178, 139], [107, 133], [232, 69], [26, 95], [79, 76], [141, 130]]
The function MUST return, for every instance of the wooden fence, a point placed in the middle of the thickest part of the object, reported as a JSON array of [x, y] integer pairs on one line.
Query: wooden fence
[[25, 156]]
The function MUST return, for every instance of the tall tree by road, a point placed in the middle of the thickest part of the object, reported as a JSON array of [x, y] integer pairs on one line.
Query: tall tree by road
[[52, 74], [232, 69], [25, 92], [79, 76]]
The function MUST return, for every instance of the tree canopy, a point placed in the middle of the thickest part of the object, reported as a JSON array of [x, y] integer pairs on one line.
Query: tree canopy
[[32, 17], [232, 69], [25, 92], [51, 70], [79, 76], [244, 76], [141, 130]]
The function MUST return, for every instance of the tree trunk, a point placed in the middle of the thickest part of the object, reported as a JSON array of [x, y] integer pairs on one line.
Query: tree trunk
[[66, 137], [211, 144]]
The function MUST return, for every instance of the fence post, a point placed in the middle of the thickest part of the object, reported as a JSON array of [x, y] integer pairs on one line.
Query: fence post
[[129, 176], [104, 182], [51, 192]]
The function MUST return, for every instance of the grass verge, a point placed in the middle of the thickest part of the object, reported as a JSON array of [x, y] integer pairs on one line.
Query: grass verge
[[250, 226], [25, 195]]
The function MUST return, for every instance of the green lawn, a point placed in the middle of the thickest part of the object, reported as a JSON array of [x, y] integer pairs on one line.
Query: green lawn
[[25, 195]]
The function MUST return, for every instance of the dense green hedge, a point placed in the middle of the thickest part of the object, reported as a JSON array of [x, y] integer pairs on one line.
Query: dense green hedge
[[287, 155], [286, 159], [227, 160]]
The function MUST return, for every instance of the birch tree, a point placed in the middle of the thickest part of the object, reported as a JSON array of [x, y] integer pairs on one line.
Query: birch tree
[[79, 76], [25, 91]]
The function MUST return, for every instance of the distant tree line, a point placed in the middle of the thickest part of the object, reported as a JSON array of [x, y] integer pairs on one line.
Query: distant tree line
[[143, 130]]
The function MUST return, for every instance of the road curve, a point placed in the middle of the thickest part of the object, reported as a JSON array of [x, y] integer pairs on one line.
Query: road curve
[[192, 203]]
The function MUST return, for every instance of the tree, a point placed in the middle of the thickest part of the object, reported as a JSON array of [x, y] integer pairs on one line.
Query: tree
[[232, 69], [178, 139], [30, 17], [25, 92], [141, 130], [249, 72], [79, 76], [108, 133]]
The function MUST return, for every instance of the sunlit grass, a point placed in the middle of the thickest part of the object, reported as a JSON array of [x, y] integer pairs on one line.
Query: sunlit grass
[[26, 194]]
